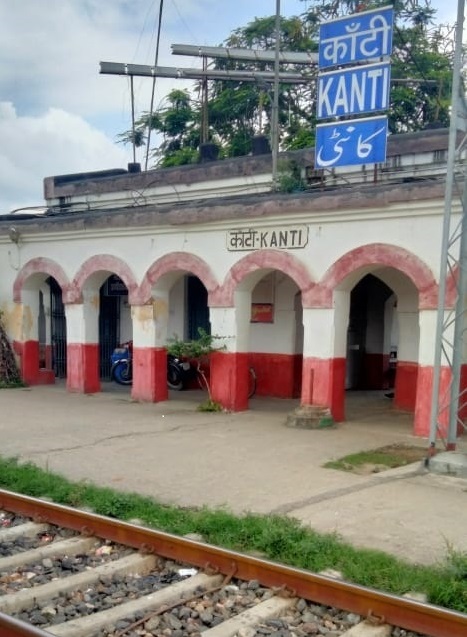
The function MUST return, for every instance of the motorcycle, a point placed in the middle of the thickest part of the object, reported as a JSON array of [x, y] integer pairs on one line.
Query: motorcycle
[[178, 371]]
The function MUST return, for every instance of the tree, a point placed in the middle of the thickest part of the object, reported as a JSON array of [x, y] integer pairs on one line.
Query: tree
[[178, 123], [420, 91]]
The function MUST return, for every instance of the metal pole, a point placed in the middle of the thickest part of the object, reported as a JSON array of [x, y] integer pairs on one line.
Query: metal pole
[[458, 349], [446, 224], [204, 104], [275, 104], [133, 119]]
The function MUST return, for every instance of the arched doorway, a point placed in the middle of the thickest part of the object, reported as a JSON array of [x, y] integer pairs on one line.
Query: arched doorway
[[383, 333], [37, 324]]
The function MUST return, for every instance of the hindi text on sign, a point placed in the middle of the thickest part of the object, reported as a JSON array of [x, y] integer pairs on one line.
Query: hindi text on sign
[[361, 37], [289, 238]]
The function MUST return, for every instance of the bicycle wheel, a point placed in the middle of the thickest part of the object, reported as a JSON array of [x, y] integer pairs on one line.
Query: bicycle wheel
[[251, 382]]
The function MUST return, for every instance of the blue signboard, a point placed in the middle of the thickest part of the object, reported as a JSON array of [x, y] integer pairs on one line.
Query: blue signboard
[[354, 91], [360, 141], [357, 38]]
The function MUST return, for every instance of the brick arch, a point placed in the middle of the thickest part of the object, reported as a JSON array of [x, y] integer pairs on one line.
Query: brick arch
[[377, 254], [100, 263], [262, 259], [171, 263], [39, 265]]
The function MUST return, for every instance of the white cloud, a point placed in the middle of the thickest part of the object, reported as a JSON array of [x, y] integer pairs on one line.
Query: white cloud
[[53, 143]]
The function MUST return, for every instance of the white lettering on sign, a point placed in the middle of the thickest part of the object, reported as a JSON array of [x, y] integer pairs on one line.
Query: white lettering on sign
[[352, 43], [289, 238], [354, 91]]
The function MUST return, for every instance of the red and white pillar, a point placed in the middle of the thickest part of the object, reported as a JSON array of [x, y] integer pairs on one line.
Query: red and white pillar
[[229, 367], [82, 324], [405, 389], [324, 355], [425, 376], [149, 349], [26, 336]]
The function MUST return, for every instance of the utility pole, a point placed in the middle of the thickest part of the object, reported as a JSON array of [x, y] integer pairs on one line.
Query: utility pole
[[275, 104]]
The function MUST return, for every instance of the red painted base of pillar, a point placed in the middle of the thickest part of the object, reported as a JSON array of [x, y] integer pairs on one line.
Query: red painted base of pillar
[[276, 374], [323, 383], [46, 377], [28, 353], [149, 374], [48, 356], [229, 380], [422, 417], [83, 368], [405, 390]]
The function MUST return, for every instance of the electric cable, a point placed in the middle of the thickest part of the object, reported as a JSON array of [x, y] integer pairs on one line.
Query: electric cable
[[156, 59]]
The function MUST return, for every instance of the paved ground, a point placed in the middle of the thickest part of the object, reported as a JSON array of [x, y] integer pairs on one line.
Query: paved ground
[[247, 462]]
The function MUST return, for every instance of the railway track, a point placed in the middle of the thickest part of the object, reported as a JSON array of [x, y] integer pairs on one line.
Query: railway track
[[72, 573]]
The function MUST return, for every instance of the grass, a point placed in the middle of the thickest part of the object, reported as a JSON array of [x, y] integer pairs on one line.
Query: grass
[[11, 384], [279, 538], [380, 459]]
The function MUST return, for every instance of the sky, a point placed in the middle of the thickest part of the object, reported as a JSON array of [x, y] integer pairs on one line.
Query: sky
[[58, 115]]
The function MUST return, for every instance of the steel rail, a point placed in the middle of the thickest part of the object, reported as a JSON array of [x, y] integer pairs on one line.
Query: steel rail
[[11, 627], [405, 613]]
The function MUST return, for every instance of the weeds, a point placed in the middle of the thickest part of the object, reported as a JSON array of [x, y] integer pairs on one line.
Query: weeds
[[388, 457], [210, 405], [280, 538]]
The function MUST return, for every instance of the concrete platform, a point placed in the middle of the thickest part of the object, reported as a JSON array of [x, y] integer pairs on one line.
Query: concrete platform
[[452, 463], [249, 461]]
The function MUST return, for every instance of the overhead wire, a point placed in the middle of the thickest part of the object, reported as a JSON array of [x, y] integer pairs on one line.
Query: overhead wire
[[156, 59]]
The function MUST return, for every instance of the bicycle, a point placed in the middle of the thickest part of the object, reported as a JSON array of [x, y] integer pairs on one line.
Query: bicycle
[[202, 371]]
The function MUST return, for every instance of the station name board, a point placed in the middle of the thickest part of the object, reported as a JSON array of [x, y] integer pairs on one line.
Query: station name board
[[289, 238]]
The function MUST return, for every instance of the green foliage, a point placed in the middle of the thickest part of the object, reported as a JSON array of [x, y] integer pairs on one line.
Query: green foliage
[[196, 348], [290, 179], [12, 384], [279, 538], [210, 405], [237, 111]]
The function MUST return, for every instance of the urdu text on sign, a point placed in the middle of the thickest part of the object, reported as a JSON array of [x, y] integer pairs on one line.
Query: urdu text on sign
[[359, 141], [290, 238]]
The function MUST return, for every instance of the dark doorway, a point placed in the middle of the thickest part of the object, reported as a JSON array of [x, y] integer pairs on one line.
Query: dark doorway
[[197, 308], [365, 336], [109, 329]]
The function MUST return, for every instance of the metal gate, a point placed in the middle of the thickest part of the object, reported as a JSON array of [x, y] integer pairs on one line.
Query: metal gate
[[57, 329]]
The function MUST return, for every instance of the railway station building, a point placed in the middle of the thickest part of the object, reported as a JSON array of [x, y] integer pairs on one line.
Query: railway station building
[[322, 290]]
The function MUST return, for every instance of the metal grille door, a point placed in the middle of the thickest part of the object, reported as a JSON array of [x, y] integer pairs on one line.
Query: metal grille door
[[58, 329]]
